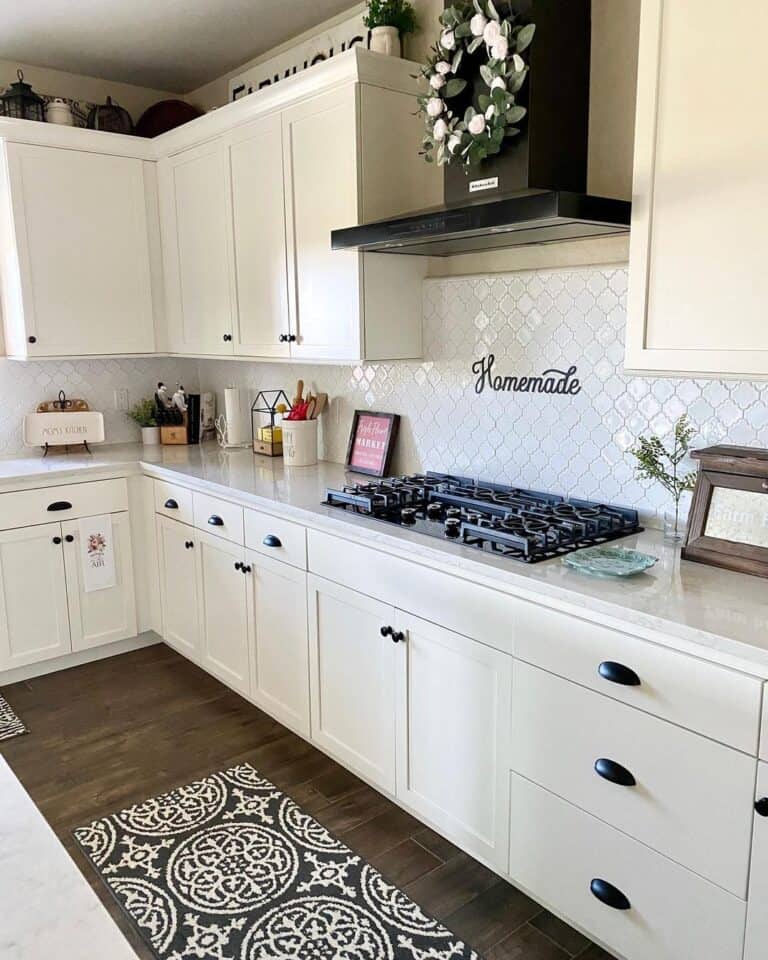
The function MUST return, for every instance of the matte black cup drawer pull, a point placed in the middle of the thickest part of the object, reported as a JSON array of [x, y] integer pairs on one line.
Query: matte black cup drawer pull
[[272, 541], [618, 673], [57, 540], [761, 807], [614, 772], [69, 538], [171, 505], [609, 895], [59, 505], [215, 521]]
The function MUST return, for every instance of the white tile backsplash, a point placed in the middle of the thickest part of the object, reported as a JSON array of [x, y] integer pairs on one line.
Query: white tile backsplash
[[530, 321]]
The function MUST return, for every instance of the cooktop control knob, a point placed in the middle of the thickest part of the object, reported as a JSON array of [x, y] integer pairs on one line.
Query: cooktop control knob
[[434, 511], [452, 527], [408, 516]]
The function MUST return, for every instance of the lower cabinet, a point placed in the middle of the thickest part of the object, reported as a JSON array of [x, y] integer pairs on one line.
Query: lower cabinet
[[179, 590], [352, 680], [453, 705], [280, 654], [45, 611], [34, 620], [225, 631], [641, 905], [757, 914]]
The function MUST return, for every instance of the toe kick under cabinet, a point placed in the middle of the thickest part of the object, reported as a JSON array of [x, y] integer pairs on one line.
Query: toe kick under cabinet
[[45, 610]]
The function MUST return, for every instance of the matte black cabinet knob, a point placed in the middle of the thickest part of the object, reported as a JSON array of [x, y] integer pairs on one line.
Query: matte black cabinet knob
[[761, 807], [245, 568], [618, 673], [57, 540], [227, 338], [32, 339], [397, 636], [59, 505], [609, 895], [272, 541], [69, 538], [283, 338], [614, 773], [171, 505], [238, 565], [215, 521], [189, 544], [291, 338]]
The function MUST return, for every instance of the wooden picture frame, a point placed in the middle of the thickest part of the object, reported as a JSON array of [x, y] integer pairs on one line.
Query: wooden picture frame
[[372, 442], [728, 525]]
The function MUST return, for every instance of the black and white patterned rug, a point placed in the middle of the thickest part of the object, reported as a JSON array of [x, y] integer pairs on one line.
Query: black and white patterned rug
[[10, 725], [230, 868]]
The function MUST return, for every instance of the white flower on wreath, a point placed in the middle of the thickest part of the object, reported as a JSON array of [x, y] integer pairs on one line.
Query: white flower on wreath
[[443, 67], [500, 49], [440, 130], [435, 106], [476, 125], [437, 81], [491, 33], [454, 142], [448, 40], [477, 24]]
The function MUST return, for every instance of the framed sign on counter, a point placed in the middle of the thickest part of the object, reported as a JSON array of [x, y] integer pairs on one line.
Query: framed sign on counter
[[372, 442]]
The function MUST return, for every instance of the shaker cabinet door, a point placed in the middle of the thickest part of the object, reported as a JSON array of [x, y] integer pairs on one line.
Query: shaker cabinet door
[[34, 623], [352, 680], [179, 589], [100, 616], [77, 278], [196, 211], [757, 914]]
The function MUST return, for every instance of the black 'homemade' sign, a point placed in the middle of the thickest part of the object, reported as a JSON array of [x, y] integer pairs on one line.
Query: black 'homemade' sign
[[555, 382]]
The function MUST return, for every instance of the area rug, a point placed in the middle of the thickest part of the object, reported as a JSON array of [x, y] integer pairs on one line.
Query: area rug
[[230, 868], [10, 725]]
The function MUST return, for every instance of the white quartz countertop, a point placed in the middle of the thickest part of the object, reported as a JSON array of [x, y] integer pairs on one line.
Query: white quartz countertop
[[47, 908], [720, 615]]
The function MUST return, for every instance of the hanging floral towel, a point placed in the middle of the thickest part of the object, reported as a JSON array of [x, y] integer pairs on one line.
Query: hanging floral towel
[[97, 552]]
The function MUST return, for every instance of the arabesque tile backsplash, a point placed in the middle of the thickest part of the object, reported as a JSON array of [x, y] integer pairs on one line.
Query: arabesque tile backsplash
[[531, 322]]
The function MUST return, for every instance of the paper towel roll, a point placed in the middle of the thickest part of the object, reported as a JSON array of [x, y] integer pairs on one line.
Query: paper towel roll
[[237, 424]]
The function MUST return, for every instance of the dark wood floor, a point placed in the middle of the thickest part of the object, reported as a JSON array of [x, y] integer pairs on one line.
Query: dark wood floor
[[116, 732]]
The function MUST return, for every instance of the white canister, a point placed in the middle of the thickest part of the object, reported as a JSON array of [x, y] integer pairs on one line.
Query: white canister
[[58, 111], [300, 442], [386, 40], [150, 436]]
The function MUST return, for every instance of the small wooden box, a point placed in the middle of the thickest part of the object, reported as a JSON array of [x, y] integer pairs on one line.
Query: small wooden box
[[173, 434], [268, 449]]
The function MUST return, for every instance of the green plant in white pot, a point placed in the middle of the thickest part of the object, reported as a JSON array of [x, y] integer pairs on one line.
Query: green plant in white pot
[[389, 21], [143, 413]]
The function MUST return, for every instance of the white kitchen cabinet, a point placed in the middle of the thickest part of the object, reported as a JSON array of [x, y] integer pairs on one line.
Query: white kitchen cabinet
[[179, 588], [75, 252], [280, 653], [196, 223], [258, 211], [34, 621], [757, 914], [225, 628], [101, 616], [352, 680], [698, 284], [453, 709]]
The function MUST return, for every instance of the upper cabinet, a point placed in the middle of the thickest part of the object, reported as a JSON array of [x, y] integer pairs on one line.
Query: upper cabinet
[[75, 251], [250, 195], [698, 283]]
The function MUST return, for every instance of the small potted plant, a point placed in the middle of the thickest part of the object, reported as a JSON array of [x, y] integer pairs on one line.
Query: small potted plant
[[143, 413], [388, 21], [656, 462]]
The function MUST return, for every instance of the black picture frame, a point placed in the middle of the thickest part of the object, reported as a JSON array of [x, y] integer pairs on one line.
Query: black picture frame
[[392, 421]]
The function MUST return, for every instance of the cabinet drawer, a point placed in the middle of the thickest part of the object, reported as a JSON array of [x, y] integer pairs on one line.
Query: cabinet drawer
[[25, 508], [556, 851], [173, 501], [718, 702], [276, 538], [219, 517], [684, 783]]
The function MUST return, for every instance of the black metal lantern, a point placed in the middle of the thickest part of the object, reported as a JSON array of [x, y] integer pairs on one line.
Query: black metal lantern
[[20, 102], [111, 117]]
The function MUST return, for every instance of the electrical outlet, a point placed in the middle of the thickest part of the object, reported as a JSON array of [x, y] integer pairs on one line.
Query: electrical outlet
[[121, 399]]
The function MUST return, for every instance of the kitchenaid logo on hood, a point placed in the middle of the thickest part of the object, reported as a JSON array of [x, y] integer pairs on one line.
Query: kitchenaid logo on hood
[[556, 382], [321, 47]]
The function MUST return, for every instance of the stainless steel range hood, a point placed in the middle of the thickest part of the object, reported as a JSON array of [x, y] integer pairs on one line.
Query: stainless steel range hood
[[547, 217]]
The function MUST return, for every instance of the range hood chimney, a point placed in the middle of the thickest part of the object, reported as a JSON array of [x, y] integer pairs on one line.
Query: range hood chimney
[[535, 191]]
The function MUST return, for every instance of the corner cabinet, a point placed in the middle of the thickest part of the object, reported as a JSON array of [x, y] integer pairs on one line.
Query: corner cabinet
[[698, 284], [75, 251], [249, 196]]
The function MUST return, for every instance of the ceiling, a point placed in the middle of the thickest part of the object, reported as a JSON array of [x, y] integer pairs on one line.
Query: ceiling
[[175, 45]]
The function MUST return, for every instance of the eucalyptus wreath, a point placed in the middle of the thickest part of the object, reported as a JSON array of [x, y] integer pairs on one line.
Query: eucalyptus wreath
[[479, 133]]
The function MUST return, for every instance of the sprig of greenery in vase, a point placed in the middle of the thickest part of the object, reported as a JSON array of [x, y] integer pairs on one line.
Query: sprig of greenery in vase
[[391, 13], [143, 413], [655, 462]]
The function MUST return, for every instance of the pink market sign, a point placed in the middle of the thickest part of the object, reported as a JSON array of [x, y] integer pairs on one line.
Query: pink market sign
[[372, 442]]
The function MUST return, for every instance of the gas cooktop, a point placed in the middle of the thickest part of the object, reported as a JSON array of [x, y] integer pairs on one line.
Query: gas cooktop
[[507, 521]]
